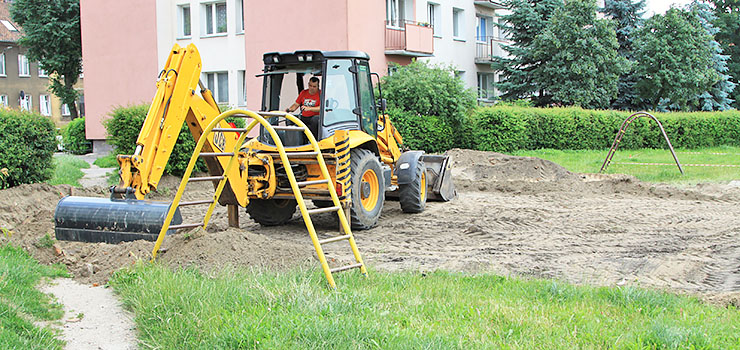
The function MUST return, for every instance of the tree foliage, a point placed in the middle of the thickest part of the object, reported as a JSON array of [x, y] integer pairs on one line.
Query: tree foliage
[[674, 61], [51, 33], [627, 14], [430, 90], [527, 19], [727, 13], [718, 96], [580, 65]]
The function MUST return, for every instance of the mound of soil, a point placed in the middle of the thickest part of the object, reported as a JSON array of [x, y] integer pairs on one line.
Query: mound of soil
[[513, 216]]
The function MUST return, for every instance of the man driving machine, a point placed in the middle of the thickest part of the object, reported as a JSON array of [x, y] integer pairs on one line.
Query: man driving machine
[[309, 101]]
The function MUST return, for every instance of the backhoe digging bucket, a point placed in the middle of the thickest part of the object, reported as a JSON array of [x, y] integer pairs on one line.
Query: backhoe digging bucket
[[439, 178], [86, 219]]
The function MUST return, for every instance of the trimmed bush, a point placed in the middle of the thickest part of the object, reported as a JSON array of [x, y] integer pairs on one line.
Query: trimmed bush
[[75, 141], [27, 148], [125, 124], [427, 133], [506, 128]]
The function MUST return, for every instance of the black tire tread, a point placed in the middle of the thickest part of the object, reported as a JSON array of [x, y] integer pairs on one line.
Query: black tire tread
[[409, 195], [359, 219], [267, 212]]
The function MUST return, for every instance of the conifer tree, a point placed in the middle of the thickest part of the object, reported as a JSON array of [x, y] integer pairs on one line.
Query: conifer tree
[[628, 17]]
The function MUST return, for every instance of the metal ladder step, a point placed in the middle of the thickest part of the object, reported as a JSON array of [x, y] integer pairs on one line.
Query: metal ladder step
[[312, 182], [334, 239], [176, 227], [288, 128], [347, 267], [217, 154], [206, 178], [322, 210], [229, 129], [205, 201]]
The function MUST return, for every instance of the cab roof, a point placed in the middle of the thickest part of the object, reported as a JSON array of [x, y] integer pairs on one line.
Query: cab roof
[[282, 59]]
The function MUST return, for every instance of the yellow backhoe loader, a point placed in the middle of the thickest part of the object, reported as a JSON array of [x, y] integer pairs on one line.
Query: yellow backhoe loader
[[345, 165]]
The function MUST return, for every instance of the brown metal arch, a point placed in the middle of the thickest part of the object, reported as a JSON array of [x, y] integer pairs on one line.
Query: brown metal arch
[[622, 131]]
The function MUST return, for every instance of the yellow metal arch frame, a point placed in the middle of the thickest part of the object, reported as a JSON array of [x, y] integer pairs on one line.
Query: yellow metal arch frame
[[623, 130], [259, 119]]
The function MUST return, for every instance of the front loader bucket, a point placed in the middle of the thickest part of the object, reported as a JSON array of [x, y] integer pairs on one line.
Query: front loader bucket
[[439, 178], [86, 219]]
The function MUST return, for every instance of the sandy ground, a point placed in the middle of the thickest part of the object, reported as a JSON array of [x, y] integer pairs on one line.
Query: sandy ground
[[513, 216]]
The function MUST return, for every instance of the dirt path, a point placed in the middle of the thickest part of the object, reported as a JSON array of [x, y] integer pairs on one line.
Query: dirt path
[[93, 317]]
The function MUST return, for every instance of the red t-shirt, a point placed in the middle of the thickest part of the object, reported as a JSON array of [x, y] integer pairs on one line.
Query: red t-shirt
[[304, 99]]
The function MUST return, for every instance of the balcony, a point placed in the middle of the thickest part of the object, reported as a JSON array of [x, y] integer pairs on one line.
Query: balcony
[[408, 38], [488, 47], [496, 5]]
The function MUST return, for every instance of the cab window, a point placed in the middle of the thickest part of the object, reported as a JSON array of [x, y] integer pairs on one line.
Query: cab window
[[339, 93]]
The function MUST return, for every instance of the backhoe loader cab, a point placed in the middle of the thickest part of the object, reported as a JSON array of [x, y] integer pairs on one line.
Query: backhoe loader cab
[[347, 100]]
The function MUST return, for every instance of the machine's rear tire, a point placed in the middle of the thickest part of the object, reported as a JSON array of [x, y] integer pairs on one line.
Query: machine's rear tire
[[368, 192], [271, 212], [413, 196]]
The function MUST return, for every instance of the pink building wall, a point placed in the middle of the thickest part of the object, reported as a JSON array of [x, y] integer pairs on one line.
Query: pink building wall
[[119, 44]]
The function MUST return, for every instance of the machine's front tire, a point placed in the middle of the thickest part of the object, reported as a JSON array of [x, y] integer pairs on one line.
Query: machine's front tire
[[271, 212], [413, 196], [368, 192]]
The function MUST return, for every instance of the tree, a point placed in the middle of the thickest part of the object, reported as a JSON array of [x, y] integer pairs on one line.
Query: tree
[[628, 17], [527, 19], [718, 96], [674, 61], [580, 65], [51, 33], [727, 20]]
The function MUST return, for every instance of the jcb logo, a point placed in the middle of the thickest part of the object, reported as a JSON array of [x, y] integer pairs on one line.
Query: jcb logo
[[219, 140]]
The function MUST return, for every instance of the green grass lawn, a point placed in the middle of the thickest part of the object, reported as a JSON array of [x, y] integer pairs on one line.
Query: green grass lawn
[[246, 309], [67, 170], [626, 162], [21, 304], [108, 161]]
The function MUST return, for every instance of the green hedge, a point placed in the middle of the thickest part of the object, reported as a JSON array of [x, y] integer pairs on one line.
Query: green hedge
[[75, 141], [123, 129], [27, 148], [427, 133], [508, 128]]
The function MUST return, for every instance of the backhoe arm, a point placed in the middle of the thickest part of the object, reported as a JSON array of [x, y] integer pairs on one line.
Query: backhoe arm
[[176, 102]]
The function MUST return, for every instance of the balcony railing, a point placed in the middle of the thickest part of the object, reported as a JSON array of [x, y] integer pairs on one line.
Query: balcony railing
[[488, 47], [409, 38]]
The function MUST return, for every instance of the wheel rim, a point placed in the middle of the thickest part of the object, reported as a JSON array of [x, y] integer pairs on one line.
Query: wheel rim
[[423, 194], [369, 197]]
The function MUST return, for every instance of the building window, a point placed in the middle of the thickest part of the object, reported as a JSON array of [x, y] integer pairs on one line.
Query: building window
[[485, 86], [4, 100], [460, 74], [433, 17], [457, 23], [25, 102], [242, 98], [9, 26], [2, 64], [184, 19], [24, 69], [240, 16], [395, 12], [42, 73], [215, 18], [65, 110], [218, 83], [45, 105]]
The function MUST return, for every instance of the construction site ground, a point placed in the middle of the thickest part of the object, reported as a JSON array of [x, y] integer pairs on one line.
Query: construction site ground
[[512, 216]]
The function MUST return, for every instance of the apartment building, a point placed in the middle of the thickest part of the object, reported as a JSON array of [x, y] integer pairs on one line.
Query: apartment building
[[125, 43], [23, 84]]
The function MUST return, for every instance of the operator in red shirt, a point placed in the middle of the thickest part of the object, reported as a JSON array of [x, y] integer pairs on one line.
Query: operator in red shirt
[[309, 101]]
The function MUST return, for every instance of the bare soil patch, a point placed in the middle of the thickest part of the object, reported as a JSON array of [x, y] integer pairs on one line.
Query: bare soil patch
[[513, 216]]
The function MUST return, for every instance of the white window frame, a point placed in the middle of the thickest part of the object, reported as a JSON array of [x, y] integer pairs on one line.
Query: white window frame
[[2, 65], [181, 21], [212, 80], [65, 110], [42, 73], [433, 17], [26, 103], [239, 17], [45, 105], [24, 67], [484, 93], [241, 98], [3, 100], [458, 23], [214, 18]]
